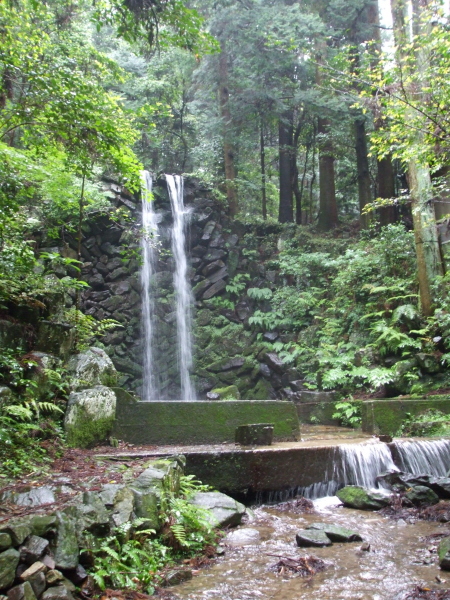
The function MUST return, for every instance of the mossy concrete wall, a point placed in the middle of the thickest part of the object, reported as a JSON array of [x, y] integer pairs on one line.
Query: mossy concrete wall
[[386, 416], [200, 422], [250, 472]]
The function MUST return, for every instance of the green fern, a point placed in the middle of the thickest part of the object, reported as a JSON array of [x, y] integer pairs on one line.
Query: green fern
[[260, 293]]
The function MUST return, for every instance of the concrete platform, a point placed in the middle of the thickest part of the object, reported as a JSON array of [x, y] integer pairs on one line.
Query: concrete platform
[[246, 472], [387, 415], [177, 422]]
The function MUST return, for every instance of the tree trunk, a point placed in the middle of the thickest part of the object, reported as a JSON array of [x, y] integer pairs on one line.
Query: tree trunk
[[228, 149], [285, 133], [385, 169], [328, 216], [362, 166], [262, 151], [386, 189], [429, 260]]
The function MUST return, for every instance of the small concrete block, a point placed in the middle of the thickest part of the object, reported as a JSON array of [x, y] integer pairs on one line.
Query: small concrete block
[[256, 434]]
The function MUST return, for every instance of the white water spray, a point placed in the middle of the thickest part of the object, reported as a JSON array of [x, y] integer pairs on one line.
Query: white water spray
[[183, 296], [150, 386], [423, 457], [360, 464]]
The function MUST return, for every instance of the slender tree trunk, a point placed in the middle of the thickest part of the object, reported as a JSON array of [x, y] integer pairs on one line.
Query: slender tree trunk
[[385, 169], [285, 133], [262, 154], [328, 215], [386, 189], [362, 166], [228, 149], [298, 214], [429, 260]]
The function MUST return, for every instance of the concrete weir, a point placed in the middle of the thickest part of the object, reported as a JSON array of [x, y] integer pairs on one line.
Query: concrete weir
[[201, 422]]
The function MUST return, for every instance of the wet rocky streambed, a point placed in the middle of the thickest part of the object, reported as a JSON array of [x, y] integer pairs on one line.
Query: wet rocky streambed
[[396, 560]]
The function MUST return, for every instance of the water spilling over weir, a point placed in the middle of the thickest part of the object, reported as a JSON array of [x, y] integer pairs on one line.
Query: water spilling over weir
[[360, 464]]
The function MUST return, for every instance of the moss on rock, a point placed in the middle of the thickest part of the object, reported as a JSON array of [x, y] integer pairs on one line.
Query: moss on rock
[[228, 393]]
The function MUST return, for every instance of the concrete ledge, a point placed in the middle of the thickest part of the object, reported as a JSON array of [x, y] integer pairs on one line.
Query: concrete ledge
[[262, 470], [200, 422], [386, 416]]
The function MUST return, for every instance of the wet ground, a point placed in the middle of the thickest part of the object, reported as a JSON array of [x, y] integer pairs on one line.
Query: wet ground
[[402, 556], [311, 436]]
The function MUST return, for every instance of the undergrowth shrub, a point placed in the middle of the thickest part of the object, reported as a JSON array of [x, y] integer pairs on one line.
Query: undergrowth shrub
[[349, 316], [133, 557]]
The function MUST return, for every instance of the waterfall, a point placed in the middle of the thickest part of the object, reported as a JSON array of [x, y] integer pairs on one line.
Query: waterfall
[[183, 296], [352, 464], [423, 457], [360, 464], [150, 387]]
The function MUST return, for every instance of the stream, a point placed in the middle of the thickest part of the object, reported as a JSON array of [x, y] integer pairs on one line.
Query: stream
[[401, 556]]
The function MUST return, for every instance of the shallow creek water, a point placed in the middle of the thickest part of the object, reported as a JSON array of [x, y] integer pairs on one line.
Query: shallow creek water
[[399, 558]]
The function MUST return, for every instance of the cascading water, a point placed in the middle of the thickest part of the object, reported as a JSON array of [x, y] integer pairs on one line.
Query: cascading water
[[360, 464], [183, 296], [423, 457], [150, 384]]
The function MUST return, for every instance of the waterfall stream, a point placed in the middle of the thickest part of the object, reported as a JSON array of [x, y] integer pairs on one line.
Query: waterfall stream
[[360, 464], [150, 384], [183, 296], [182, 291]]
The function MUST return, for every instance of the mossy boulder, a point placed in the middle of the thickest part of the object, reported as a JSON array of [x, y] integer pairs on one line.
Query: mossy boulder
[[223, 511], [91, 368], [8, 564], [263, 390], [354, 496], [419, 495], [228, 393], [90, 416], [444, 553]]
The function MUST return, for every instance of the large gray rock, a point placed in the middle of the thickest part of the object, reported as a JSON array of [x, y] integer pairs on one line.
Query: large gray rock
[[90, 416], [33, 549], [59, 592], [24, 591], [243, 537], [91, 368], [355, 496], [32, 496], [223, 510], [66, 546], [336, 533], [18, 529], [5, 541], [312, 539], [8, 564], [162, 475], [420, 495]]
